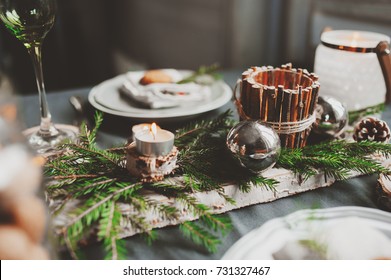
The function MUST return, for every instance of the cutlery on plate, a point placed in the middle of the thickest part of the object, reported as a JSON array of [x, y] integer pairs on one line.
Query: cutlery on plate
[[79, 107]]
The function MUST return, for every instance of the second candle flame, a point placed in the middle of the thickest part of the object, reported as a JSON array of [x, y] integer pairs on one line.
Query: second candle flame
[[153, 130]]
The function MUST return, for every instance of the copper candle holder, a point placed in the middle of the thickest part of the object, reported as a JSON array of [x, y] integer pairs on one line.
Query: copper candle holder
[[285, 98]]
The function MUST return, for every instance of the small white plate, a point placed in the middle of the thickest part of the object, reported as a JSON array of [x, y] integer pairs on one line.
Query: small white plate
[[262, 242], [107, 98]]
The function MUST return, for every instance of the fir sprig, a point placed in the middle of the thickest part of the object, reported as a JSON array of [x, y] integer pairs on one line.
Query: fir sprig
[[200, 236], [202, 71], [192, 133], [336, 159], [196, 232], [256, 181]]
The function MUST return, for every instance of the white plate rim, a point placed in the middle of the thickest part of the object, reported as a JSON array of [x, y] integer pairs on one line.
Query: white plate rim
[[149, 114], [241, 247]]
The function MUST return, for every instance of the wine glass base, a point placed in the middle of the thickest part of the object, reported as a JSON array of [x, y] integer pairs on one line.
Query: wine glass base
[[47, 144]]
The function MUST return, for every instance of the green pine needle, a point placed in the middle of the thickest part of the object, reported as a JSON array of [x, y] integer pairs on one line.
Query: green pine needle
[[217, 223], [203, 70], [336, 159], [200, 236], [257, 181]]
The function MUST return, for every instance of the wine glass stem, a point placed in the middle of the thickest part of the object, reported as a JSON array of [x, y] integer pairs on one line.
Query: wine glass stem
[[46, 127]]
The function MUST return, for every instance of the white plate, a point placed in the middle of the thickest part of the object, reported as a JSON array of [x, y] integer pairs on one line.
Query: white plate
[[262, 242], [106, 98]]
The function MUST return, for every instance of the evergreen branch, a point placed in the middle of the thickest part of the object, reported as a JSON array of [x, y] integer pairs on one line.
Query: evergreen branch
[[98, 118], [110, 221], [198, 181], [114, 248], [165, 211], [53, 167], [191, 203], [87, 137], [203, 70], [335, 159], [69, 246], [356, 115], [204, 127], [217, 223], [150, 236], [227, 198], [73, 176], [139, 224], [121, 249], [257, 181], [119, 150], [91, 153], [200, 236], [81, 191], [222, 224], [96, 205], [59, 185], [109, 225], [166, 187], [366, 148]]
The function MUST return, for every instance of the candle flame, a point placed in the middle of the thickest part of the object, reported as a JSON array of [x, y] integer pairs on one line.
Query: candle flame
[[355, 38], [153, 130]]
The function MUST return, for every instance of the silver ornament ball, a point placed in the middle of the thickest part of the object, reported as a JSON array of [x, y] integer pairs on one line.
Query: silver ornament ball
[[331, 117], [255, 145]]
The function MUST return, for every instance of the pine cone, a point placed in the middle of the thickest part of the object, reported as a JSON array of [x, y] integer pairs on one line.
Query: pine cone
[[371, 129]]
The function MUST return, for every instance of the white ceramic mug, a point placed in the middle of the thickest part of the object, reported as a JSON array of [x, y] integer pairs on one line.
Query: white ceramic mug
[[355, 68]]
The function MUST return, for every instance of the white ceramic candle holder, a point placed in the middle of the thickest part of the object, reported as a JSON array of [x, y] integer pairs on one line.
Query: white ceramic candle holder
[[347, 63]]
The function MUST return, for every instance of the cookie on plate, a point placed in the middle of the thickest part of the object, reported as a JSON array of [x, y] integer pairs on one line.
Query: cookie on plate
[[155, 76]]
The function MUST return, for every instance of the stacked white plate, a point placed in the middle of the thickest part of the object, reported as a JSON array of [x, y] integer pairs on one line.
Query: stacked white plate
[[106, 97], [367, 231]]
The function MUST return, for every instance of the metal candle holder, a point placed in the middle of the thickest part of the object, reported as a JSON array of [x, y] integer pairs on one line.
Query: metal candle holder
[[159, 145]]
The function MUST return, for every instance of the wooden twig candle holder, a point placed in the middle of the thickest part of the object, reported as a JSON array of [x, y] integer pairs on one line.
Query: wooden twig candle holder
[[150, 168], [284, 98]]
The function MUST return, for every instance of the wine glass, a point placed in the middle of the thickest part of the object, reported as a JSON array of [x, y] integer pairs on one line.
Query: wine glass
[[29, 21]]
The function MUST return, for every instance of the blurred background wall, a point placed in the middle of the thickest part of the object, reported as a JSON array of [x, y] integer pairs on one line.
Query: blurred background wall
[[94, 40]]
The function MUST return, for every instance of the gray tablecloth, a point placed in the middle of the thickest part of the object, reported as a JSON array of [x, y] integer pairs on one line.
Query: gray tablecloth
[[171, 244]]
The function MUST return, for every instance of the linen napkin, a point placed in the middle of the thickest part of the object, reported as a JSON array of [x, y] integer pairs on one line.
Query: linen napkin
[[163, 95]]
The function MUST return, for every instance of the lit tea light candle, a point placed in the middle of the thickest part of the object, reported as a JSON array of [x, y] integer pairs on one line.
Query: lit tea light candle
[[140, 127], [154, 142]]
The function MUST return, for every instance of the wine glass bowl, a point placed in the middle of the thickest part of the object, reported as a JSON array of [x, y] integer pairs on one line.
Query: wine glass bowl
[[29, 21]]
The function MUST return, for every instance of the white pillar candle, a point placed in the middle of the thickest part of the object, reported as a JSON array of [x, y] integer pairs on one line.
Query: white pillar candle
[[154, 142]]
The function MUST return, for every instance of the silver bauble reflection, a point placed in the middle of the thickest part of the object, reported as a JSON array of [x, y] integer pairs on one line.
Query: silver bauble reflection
[[331, 117], [255, 145]]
